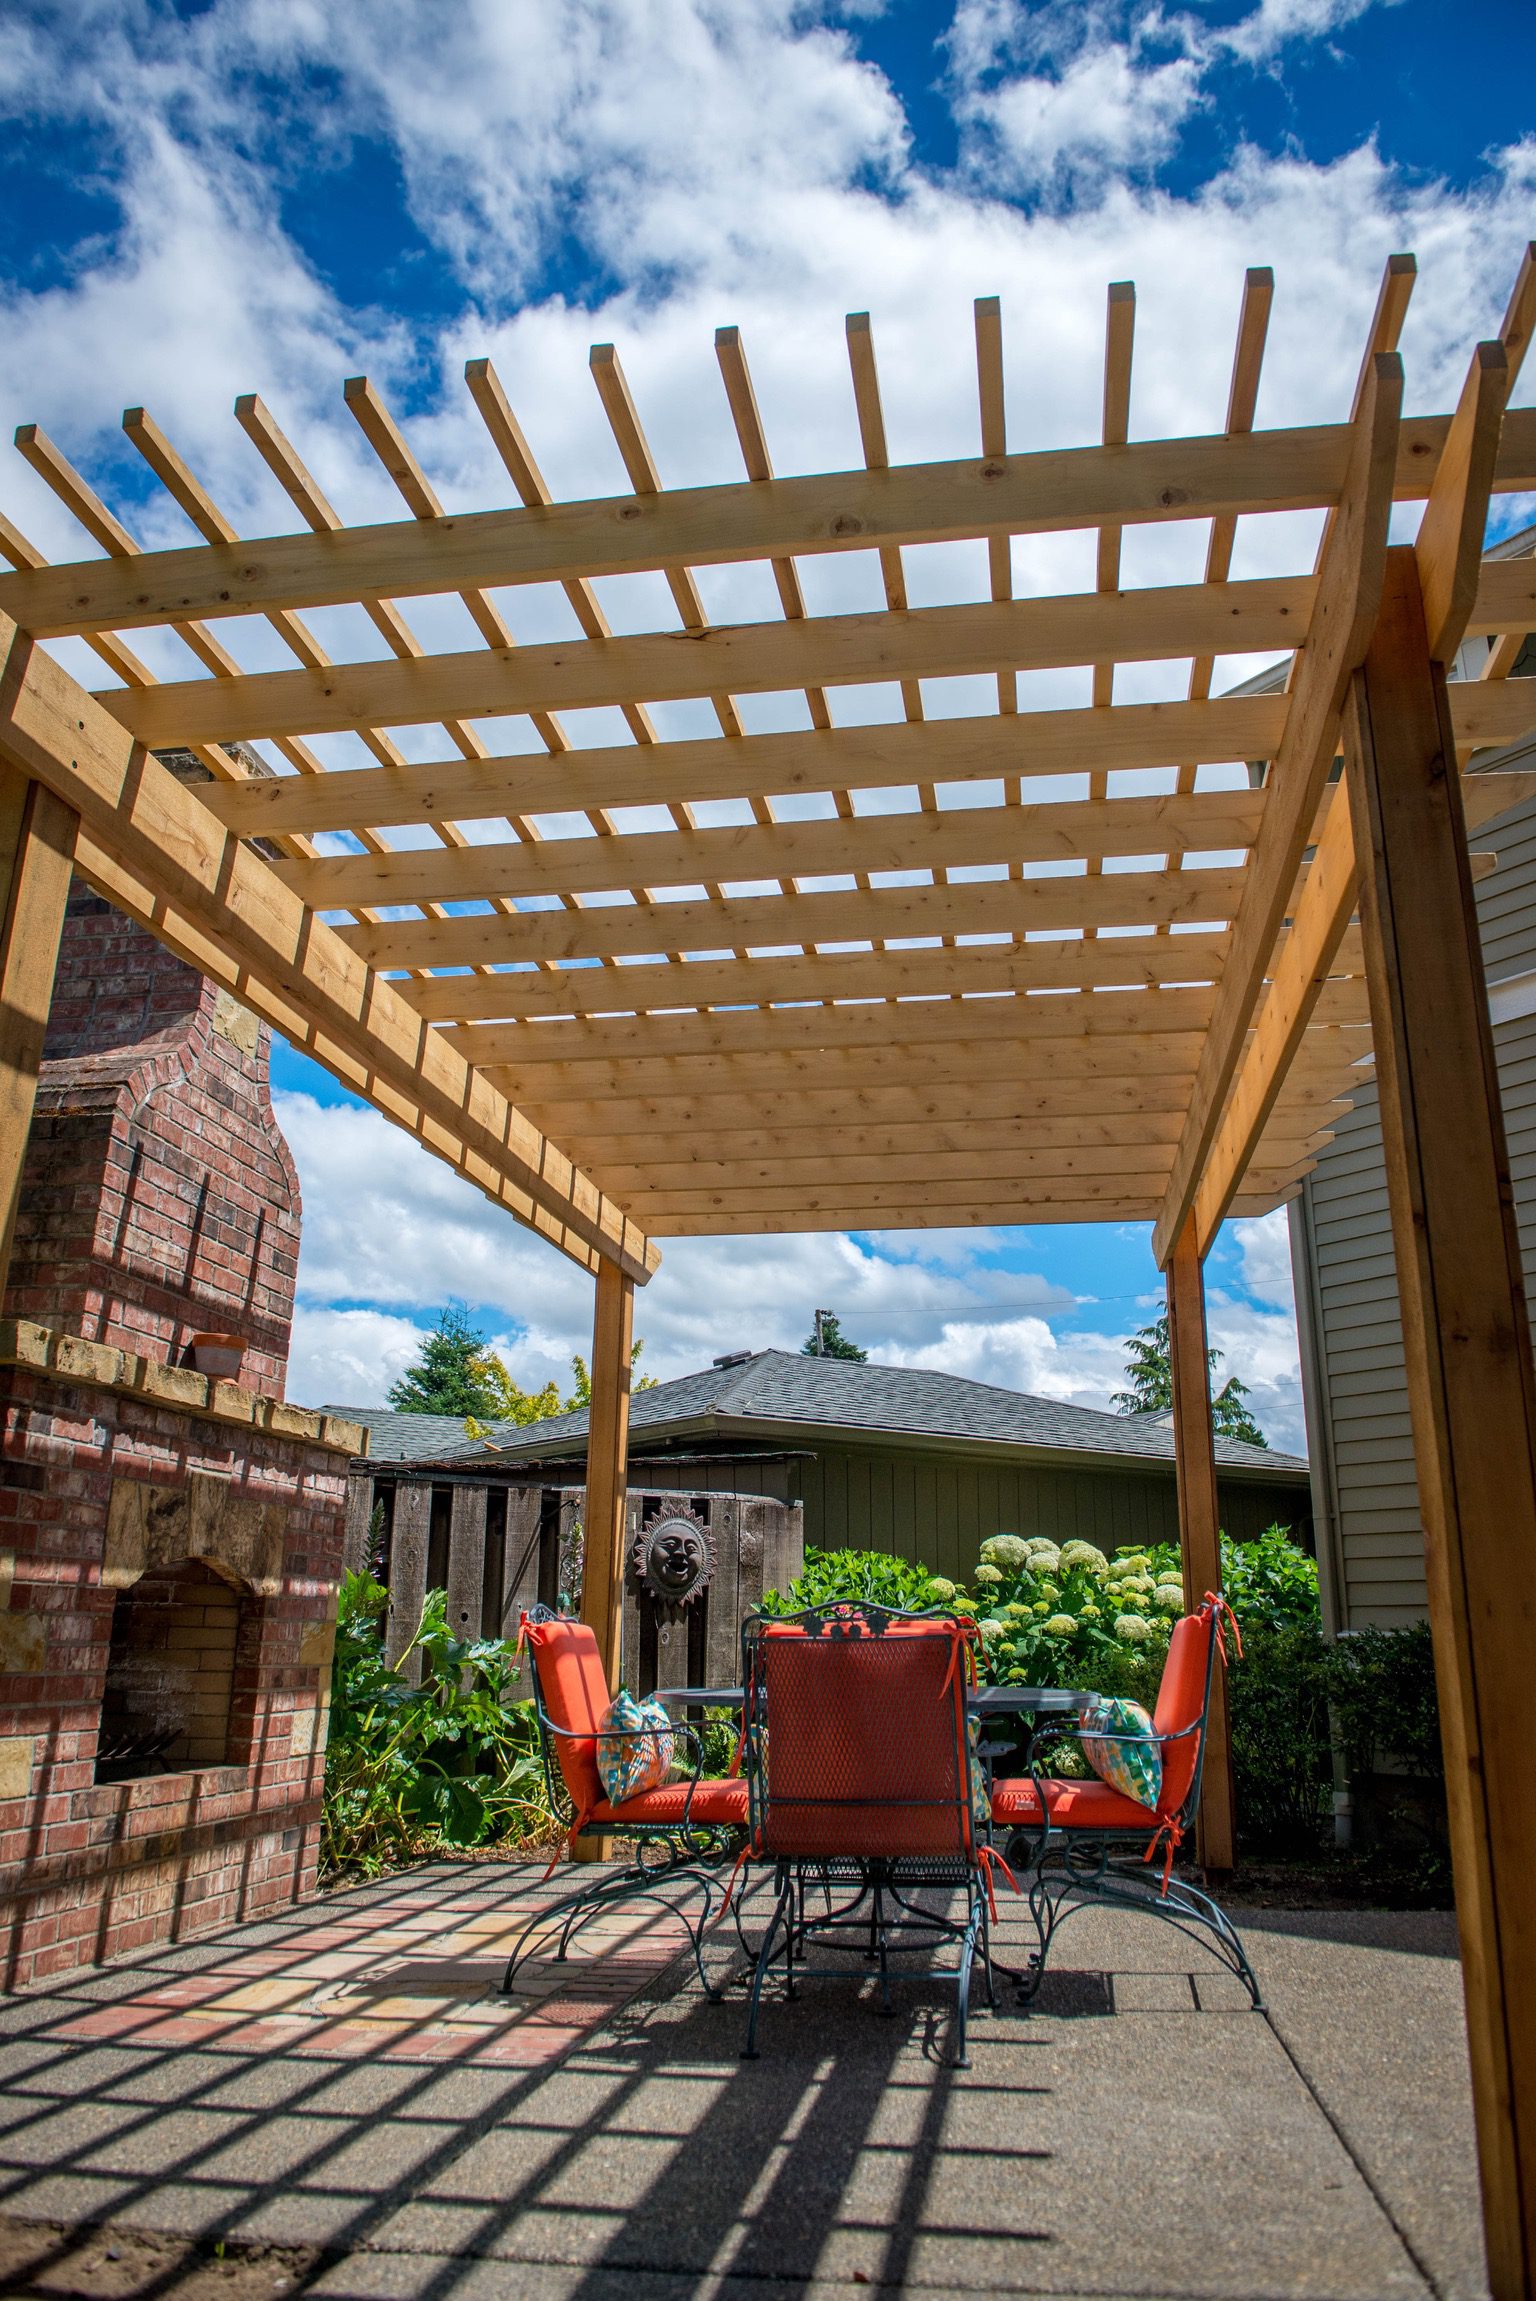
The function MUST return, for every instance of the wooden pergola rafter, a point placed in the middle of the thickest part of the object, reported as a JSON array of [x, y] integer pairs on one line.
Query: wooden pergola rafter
[[1098, 962], [1111, 878]]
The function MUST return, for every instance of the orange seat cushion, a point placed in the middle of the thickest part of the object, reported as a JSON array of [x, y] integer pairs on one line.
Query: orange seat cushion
[[714, 1804], [1074, 1806], [575, 1695], [1180, 1700]]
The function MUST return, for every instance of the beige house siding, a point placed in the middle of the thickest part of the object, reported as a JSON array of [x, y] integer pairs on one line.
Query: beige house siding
[[1365, 1495]]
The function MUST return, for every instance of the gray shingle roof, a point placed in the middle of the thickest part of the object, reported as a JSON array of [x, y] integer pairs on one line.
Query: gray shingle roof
[[779, 1387]]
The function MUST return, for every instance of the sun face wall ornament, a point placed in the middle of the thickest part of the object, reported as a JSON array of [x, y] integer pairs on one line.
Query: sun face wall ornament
[[673, 1558]]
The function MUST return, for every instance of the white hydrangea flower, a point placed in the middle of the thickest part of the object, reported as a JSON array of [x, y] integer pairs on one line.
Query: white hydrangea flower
[[1170, 1596], [1060, 1626], [1083, 1554], [987, 1574], [991, 1632], [1135, 1629], [1009, 1551], [942, 1589]]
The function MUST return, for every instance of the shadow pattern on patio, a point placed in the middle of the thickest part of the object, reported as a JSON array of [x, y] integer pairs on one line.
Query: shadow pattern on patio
[[344, 2086]]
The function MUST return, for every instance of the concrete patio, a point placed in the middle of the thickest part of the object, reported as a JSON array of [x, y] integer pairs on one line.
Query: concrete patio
[[337, 2103]]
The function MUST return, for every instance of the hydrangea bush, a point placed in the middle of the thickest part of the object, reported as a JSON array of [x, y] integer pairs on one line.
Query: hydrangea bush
[[1068, 1614]]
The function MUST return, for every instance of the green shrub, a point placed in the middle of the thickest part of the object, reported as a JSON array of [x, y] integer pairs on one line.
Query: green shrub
[[1282, 1760], [1068, 1615], [414, 1770], [1382, 1686], [872, 1576]]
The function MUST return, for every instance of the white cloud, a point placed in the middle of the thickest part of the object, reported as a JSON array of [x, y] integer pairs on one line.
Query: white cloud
[[348, 1357], [1101, 102], [1264, 1243], [1079, 1369]]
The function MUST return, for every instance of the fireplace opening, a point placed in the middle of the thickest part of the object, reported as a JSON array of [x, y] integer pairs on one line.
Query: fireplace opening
[[170, 1674]]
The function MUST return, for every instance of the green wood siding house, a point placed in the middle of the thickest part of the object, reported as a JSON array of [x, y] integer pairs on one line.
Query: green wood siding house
[[903, 1459]]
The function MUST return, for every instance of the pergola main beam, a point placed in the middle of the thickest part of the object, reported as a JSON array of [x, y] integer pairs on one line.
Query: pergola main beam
[[769, 766], [1054, 831], [1076, 964], [1047, 492], [1349, 589], [150, 845], [1204, 893], [919, 1214], [1448, 553], [739, 659], [1035, 743]]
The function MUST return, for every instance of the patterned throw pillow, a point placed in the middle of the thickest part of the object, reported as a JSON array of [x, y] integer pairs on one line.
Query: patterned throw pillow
[[634, 1748], [981, 1795], [1132, 1764]]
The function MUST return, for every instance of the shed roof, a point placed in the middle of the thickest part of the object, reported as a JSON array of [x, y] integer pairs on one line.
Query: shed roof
[[775, 1389]]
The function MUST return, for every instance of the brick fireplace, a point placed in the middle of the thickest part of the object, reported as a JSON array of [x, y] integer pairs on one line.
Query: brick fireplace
[[170, 1530]]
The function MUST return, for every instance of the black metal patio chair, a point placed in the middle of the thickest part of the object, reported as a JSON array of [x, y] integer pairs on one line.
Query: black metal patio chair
[[860, 1785], [683, 1831], [1085, 1842]]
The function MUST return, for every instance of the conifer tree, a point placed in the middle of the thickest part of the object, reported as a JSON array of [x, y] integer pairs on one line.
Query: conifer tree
[[1149, 1372], [829, 1341], [448, 1376]]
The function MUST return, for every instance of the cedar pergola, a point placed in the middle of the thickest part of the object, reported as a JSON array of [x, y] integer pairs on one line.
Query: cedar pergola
[[1072, 978]]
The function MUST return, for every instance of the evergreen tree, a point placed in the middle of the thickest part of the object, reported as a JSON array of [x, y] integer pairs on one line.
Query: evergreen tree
[[448, 1376], [1149, 1372], [827, 1340], [1230, 1418]]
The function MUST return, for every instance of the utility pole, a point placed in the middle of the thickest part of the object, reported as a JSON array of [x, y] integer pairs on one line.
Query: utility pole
[[820, 1315]]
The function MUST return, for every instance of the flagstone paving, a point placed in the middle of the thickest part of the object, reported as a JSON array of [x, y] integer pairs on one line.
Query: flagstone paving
[[340, 2103]]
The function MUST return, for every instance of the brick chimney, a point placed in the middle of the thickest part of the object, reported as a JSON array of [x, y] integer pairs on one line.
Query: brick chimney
[[159, 1201]]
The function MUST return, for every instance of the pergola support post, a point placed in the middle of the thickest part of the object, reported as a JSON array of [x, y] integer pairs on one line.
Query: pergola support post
[[37, 846], [1467, 1339], [602, 1573], [1194, 1443]]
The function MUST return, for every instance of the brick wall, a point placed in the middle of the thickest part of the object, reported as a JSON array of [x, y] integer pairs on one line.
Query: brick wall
[[159, 1199], [89, 1869]]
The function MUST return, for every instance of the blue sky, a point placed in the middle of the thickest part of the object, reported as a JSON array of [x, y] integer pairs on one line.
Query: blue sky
[[270, 195]]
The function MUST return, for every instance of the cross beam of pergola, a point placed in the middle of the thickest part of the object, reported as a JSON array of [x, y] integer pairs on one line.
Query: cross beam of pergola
[[1120, 962]]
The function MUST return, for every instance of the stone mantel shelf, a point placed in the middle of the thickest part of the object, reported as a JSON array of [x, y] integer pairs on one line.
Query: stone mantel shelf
[[70, 1358]]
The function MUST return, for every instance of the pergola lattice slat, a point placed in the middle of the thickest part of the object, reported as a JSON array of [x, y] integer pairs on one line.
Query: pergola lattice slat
[[763, 658], [1055, 491], [1101, 955]]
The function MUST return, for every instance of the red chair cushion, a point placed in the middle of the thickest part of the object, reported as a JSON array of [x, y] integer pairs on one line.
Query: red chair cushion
[[1074, 1806], [575, 1696], [714, 1804], [1180, 1700]]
